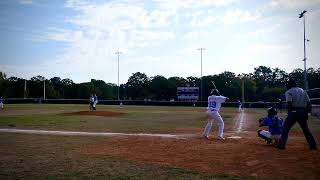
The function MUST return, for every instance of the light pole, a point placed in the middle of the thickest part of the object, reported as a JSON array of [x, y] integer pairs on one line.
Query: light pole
[[25, 89], [44, 89], [242, 82], [301, 15], [118, 53], [201, 49]]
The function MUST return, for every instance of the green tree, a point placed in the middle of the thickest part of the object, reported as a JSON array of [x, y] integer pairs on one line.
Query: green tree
[[14, 88], [84, 90], [263, 78], [159, 88], [3, 83], [35, 86], [54, 88], [297, 74], [273, 94], [193, 81], [279, 77], [174, 83], [313, 78], [69, 89], [138, 86]]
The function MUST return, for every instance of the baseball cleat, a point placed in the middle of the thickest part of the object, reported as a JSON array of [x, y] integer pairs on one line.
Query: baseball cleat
[[269, 141], [280, 147], [221, 138], [206, 137], [314, 148]]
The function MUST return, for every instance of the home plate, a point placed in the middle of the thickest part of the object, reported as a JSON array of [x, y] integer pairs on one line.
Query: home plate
[[234, 137]]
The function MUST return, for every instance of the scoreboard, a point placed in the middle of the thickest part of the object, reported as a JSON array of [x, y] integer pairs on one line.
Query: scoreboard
[[188, 93]]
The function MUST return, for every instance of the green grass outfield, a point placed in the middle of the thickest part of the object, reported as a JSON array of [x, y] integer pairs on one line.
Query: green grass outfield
[[136, 118], [143, 119]]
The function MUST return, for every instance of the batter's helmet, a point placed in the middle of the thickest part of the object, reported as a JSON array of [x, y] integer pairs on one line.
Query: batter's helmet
[[291, 83]]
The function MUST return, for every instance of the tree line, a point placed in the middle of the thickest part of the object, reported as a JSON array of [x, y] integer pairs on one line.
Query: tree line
[[264, 84]]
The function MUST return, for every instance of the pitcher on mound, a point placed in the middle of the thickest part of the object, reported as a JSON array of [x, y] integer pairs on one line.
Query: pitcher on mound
[[214, 105]]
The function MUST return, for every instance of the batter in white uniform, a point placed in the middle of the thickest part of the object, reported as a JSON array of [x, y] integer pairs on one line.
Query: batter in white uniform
[[214, 105]]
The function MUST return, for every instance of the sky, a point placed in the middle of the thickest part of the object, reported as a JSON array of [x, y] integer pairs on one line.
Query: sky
[[78, 39]]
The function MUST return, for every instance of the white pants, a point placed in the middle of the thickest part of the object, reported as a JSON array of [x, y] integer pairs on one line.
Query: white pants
[[267, 134], [214, 115], [1, 105], [95, 103]]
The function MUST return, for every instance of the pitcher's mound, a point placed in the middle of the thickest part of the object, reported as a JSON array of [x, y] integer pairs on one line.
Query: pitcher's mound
[[94, 113]]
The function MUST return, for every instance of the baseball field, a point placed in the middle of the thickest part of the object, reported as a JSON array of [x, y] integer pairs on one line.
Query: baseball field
[[43, 141]]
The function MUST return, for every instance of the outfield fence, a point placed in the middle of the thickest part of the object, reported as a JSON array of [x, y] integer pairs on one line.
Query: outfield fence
[[281, 106], [136, 102], [314, 95]]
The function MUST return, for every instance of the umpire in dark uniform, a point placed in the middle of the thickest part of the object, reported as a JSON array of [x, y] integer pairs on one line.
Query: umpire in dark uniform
[[298, 108]]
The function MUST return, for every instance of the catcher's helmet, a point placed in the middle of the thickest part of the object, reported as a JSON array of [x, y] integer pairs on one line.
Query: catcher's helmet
[[272, 111]]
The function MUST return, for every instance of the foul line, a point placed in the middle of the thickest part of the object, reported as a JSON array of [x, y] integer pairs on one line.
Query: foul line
[[239, 129], [77, 133]]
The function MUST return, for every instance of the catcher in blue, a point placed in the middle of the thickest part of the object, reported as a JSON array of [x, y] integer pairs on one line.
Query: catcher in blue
[[274, 124]]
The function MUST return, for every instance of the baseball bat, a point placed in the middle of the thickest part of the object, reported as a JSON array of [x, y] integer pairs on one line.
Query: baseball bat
[[215, 87]]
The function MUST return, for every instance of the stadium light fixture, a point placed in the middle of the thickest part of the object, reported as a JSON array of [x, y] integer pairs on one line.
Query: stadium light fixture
[[25, 89], [302, 14], [44, 89]]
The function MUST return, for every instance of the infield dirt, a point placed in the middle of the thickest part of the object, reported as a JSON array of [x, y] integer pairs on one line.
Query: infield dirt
[[245, 157], [95, 113]]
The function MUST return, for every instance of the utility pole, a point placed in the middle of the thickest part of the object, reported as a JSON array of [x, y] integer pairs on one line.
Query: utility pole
[[44, 89], [201, 49], [242, 80], [301, 15], [118, 53], [25, 89]]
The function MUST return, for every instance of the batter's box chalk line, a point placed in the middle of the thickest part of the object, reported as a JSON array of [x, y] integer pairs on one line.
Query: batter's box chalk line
[[234, 137]]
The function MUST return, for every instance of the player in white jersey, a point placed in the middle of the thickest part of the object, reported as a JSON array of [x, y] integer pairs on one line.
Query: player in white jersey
[[239, 105], [95, 101], [91, 100], [214, 105], [1, 103]]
